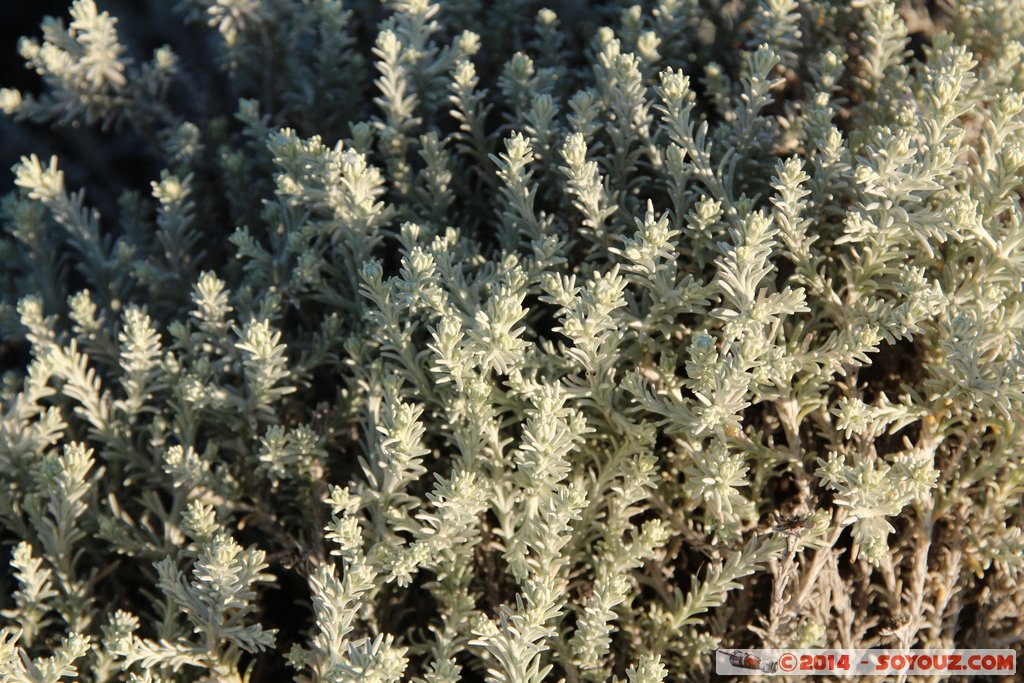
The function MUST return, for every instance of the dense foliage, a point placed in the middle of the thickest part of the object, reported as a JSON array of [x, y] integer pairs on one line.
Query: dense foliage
[[486, 341]]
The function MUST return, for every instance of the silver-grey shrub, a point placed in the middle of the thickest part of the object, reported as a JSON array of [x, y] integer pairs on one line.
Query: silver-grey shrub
[[489, 341]]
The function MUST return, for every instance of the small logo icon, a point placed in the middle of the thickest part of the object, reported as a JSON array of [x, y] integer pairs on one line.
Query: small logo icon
[[746, 660]]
